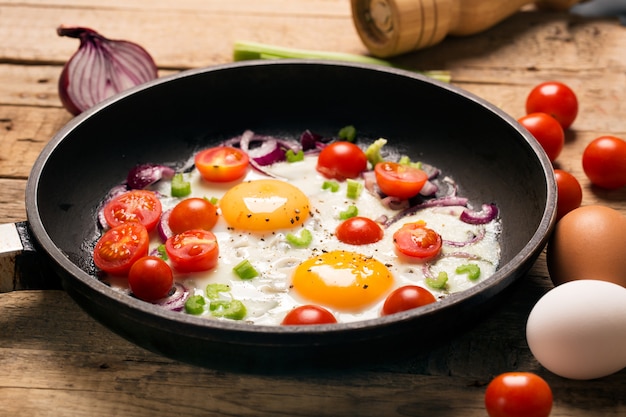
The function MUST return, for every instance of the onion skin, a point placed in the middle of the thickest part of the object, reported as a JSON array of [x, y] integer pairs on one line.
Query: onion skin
[[100, 68]]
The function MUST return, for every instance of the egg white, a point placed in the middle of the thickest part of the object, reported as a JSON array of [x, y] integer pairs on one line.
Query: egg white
[[268, 297]]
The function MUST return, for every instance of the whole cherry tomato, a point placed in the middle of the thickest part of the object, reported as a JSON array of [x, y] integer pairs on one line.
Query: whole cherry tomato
[[222, 163], [150, 278], [604, 162], [341, 160], [556, 99], [406, 298], [518, 394], [548, 132], [309, 314], [359, 231], [569, 193], [192, 213], [398, 180]]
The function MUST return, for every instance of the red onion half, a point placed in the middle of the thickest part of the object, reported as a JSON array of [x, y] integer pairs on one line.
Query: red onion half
[[100, 68]]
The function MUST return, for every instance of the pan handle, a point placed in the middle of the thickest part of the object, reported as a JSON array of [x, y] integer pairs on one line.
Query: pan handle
[[22, 267]]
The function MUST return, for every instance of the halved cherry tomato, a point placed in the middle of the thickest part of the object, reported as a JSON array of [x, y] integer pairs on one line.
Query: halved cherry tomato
[[604, 162], [397, 180], [406, 298], [569, 193], [417, 241], [140, 206], [120, 246], [548, 132], [556, 99], [222, 163], [359, 231], [518, 394], [341, 160], [150, 278], [309, 314], [193, 250], [192, 213]]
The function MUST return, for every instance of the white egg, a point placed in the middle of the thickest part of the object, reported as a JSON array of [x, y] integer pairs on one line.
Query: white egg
[[578, 329], [269, 296]]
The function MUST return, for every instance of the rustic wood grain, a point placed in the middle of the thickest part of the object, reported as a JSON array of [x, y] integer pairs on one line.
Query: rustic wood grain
[[55, 360]]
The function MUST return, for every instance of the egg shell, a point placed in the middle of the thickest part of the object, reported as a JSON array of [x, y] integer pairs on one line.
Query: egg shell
[[588, 243], [578, 329]]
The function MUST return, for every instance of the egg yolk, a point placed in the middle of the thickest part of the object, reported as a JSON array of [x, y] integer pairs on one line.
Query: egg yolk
[[342, 280], [264, 205]]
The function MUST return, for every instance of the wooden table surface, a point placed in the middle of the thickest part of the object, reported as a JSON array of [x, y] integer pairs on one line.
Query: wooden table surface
[[55, 360]]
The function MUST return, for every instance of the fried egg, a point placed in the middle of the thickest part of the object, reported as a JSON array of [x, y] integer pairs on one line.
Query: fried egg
[[258, 213]]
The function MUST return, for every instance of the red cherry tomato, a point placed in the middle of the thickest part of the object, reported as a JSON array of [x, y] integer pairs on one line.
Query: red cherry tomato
[[359, 231], [556, 99], [604, 162], [417, 241], [397, 180], [341, 160], [192, 213], [222, 163], [570, 193], [118, 248], [193, 250], [518, 394], [141, 206], [150, 278], [309, 314], [548, 132], [406, 298]]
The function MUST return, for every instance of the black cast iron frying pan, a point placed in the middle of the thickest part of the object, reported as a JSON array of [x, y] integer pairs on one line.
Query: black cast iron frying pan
[[165, 121]]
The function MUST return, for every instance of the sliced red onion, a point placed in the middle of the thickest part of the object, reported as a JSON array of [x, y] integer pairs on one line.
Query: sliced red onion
[[163, 227], [475, 239], [176, 300], [309, 140], [268, 153], [144, 175], [429, 188], [434, 202], [100, 68], [487, 214]]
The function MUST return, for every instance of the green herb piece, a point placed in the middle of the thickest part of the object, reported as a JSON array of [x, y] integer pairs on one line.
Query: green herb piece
[[300, 241], [351, 211], [354, 189], [195, 304], [213, 200], [162, 252], [213, 290], [405, 160], [472, 271], [438, 283], [294, 157], [244, 50], [245, 270], [333, 186], [348, 133], [180, 187], [233, 309], [373, 151]]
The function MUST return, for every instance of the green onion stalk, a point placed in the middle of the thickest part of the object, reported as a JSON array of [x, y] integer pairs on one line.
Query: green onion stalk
[[244, 50]]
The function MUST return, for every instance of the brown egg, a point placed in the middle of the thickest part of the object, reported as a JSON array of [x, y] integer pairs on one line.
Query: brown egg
[[588, 243]]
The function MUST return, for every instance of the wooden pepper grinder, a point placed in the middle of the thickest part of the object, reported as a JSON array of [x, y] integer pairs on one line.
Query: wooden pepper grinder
[[394, 27]]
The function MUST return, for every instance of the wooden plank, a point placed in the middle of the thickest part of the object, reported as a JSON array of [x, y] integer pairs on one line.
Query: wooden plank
[[183, 40], [23, 134]]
